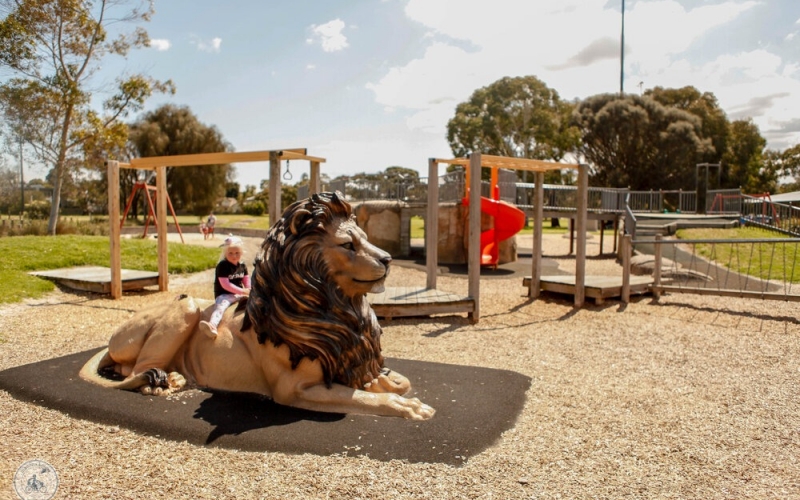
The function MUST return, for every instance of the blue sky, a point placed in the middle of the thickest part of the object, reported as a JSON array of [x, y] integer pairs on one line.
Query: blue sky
[[369, 84]]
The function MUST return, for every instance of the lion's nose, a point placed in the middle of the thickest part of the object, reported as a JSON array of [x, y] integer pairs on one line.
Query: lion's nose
[[386, 260]]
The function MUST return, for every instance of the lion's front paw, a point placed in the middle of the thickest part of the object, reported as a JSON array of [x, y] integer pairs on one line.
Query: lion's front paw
[[412, 408], [391, 382]]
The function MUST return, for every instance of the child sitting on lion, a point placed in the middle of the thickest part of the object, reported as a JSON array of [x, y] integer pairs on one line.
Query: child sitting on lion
[[231, 282]]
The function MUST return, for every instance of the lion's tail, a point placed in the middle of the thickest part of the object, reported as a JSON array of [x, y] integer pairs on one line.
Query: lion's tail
[[91, 373]]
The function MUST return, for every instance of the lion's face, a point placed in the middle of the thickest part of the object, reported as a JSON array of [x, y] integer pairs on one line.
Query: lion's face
[[357, 266]]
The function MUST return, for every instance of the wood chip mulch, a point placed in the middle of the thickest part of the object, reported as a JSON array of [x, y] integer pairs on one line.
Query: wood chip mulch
[[687, 397]]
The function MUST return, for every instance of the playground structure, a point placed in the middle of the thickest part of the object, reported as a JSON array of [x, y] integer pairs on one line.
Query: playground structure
[[150, 216], [431, 302], [508, 220], [473, 163], [159, 164]]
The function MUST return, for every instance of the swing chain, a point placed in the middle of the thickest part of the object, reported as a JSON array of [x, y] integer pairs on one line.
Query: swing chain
[[287, 176]]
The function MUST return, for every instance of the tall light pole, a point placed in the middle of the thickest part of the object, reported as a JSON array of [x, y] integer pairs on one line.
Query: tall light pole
[[21, 182], [622, 53]]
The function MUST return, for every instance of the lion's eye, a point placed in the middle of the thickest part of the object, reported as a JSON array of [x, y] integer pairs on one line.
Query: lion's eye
[[348, 246]]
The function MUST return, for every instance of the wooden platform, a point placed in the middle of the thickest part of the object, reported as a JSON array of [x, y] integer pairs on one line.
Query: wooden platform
[[98, 279], [396, 302], [597, 287]]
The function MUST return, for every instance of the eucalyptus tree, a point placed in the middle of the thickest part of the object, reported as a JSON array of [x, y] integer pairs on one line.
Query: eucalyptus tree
[[519, 117], [52, 51], [714, 123], [175, 130], [745, 164], [635, 141]]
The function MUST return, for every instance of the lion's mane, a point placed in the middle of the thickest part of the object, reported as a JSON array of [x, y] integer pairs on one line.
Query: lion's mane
[[295, 301]]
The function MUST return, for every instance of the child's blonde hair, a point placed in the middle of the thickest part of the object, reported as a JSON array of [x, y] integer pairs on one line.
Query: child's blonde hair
[[231, 242]]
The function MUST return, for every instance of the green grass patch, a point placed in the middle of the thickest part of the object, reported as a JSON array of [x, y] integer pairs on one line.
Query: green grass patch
[[40, 253], [16, 286], [777, 260], [241, 221]]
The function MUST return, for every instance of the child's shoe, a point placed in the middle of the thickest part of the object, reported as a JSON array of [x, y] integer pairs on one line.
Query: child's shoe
[[208, 329]]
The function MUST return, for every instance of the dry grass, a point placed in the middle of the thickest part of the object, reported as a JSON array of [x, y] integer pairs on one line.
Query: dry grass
[[690, 397]]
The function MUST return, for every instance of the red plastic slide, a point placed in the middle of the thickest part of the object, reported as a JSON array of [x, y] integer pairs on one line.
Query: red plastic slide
[[508, 221]]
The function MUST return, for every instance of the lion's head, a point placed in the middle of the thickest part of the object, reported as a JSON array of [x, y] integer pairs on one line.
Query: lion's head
[[309, 290]]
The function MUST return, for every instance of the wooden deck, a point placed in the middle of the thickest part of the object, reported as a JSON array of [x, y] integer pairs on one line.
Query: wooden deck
[[397, 302], [97, 279], [597, 287]]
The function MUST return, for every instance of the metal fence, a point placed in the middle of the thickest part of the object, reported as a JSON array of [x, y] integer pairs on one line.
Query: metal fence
[[664, 201], [758, 211], [724, 201], [754, 268]]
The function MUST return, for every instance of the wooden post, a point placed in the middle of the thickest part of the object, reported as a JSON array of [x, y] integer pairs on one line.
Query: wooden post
[[572, 233], [314, 181], [161, 215], [474, 233], [602, 224], [274, 187], [114, 229], [657, 268], [625, 249], [432, 225], [538, 219], [580, 251]]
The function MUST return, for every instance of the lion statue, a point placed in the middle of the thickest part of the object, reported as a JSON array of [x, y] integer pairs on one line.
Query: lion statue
[[307, 337]]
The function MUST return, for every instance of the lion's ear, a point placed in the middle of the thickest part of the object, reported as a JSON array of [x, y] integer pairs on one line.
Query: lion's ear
[[298, 218]]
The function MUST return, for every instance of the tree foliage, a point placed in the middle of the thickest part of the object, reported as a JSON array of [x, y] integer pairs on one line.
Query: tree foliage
[[9, 190], [175, 130], [54, 49], [790, 161], [635, 141], [714, 122], [392, 184], [519, 117], [743, 163]]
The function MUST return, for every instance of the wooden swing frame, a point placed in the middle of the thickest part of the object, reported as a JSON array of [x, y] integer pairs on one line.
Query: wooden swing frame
[[159, 164]]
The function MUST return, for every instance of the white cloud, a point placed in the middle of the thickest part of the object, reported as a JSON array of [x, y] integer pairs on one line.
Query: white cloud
[[311, 66], [573, 47], [329, 36], [160, 44], [213, 46]]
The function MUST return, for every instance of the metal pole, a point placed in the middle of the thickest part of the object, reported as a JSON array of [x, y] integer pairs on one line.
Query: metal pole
[[622, 53], [21, 182]]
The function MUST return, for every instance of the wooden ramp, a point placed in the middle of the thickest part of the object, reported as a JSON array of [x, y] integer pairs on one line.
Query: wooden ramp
[[597, 287], [98, 279], [396, 302]]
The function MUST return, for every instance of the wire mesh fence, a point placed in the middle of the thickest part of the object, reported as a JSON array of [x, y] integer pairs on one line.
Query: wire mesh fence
[[755, 268]]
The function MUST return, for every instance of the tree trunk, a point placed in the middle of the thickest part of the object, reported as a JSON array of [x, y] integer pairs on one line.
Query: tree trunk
[[55, 204]]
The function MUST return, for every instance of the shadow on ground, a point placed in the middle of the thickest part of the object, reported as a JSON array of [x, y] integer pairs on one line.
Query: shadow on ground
[[474, 406]]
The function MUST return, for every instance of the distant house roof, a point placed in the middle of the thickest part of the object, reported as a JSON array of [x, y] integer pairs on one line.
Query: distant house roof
[[793, 197], [227, 202]]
